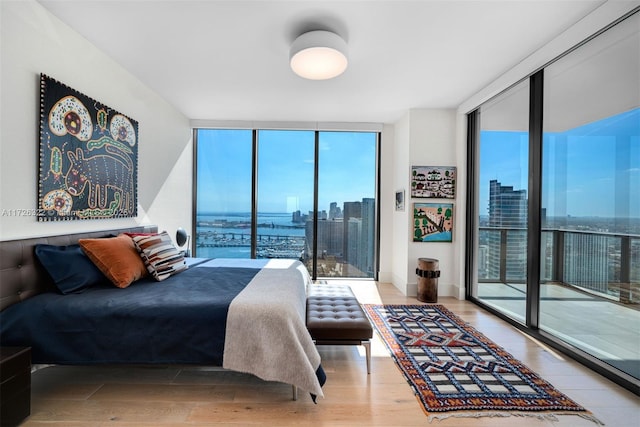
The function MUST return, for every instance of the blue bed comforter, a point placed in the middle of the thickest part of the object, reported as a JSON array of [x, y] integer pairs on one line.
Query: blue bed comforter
[[212, 310], [181, 320]]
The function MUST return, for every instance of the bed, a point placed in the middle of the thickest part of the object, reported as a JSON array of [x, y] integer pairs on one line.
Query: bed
[[243, 315]]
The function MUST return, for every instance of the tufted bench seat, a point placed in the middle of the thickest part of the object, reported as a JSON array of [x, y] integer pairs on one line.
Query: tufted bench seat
[[334, 317]]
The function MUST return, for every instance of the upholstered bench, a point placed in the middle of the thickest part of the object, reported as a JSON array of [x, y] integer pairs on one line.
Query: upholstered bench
[[335, 317]]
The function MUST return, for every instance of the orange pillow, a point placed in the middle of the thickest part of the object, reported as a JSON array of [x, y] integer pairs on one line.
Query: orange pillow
[[117, 258]]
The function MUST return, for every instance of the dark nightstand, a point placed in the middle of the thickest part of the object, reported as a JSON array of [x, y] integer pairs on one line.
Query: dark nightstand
[[15, 385]]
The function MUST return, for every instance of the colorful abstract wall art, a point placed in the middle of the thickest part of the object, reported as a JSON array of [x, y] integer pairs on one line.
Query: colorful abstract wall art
[[88, 157], [437, 182], [433, 222]]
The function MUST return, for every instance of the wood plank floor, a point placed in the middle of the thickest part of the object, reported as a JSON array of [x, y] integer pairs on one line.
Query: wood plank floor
[[196, 396]]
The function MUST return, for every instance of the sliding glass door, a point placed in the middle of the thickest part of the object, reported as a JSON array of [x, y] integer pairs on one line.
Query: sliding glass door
[[554, 231], [502, 202], [591, 198]]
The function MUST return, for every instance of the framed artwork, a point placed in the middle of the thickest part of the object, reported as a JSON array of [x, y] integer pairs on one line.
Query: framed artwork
[[433, 222], [434, 182], [88, 166], [400, 200]]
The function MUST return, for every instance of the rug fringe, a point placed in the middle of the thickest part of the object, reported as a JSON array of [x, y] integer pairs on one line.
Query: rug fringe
[[546, 416]]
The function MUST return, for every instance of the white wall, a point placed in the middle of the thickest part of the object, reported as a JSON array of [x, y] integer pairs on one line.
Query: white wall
[[32, 42], [387, 160], [400, 166], [424, 138], [459, 254]]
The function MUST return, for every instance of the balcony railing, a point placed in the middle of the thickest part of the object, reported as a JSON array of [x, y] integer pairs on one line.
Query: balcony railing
[[607, 264]]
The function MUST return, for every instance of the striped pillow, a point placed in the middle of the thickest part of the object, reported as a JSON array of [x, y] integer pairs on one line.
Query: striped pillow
[[161, 258]]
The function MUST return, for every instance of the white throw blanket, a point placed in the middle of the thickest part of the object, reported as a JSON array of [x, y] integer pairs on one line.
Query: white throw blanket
[[266, 331]]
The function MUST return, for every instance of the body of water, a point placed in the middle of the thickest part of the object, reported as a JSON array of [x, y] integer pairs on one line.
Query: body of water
[[228, 235], [445, 236]]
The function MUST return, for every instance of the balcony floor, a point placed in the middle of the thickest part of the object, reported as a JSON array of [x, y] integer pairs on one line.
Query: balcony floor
[[603, 328]]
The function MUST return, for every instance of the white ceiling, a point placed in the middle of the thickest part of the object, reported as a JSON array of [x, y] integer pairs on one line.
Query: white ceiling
[[228, 60]]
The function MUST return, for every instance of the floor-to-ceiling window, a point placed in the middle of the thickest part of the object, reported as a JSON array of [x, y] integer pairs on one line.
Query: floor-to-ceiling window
[[591, 198], [502, 201], [555, 162], [346, 204], [285, 192], [308, 195], [224, 194]]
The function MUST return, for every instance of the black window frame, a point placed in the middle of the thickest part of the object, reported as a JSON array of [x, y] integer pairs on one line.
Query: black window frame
[[254, 197], [534, 233]]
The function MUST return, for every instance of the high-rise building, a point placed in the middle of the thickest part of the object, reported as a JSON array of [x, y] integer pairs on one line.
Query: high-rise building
[[354, 248], [367, 236], [298, 217], [330, 234], [347, 236], [350, 210], [508, 215], [333, 207]]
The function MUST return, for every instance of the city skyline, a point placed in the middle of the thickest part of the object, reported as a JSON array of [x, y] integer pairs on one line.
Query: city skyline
[[345, 237], [334, 212]]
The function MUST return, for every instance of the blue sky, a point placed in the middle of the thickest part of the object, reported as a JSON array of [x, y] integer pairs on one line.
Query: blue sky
[[592, 170], [285, 169]]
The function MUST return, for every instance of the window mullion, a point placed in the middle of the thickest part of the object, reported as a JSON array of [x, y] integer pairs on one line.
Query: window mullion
[[534, 228], [254, 194], [314, 273]]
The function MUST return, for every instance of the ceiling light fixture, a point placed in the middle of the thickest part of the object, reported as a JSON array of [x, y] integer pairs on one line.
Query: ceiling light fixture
[[318, 55]]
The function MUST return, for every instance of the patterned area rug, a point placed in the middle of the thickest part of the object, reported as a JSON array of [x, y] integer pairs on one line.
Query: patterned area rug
[[455, 370]]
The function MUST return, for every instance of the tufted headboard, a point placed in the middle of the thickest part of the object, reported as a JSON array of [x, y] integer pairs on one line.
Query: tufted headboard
[[22, 276]]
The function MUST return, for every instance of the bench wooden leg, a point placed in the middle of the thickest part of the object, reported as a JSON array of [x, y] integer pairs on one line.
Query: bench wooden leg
[[367, 350], [295, 392]]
